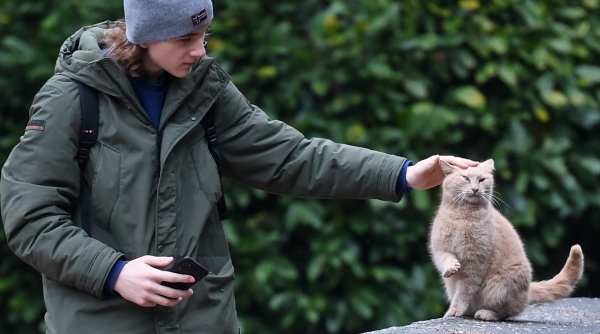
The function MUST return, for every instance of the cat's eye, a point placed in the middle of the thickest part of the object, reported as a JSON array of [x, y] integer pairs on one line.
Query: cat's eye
[[466, 178], [482, 179]]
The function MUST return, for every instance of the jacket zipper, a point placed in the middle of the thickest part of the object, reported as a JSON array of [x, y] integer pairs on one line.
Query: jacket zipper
[[131, 105], [158, 147]]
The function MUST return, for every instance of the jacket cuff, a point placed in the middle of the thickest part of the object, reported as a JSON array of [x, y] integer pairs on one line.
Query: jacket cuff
[[401, 187], [111, 280]]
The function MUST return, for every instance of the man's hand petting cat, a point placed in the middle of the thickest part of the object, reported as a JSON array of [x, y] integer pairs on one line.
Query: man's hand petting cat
[[427, 173]]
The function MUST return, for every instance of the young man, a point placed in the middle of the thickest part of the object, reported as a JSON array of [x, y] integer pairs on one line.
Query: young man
[[152, 182]]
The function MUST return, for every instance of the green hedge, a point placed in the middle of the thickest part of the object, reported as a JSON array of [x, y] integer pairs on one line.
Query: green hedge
[[516, 81]]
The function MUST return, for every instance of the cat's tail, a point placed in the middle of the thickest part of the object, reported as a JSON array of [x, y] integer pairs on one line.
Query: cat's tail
[[562, 284]]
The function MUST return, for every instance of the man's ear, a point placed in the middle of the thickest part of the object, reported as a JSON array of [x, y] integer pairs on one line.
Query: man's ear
[[446, 167]]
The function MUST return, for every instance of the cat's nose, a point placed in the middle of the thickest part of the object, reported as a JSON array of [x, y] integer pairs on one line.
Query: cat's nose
[[475, 190]]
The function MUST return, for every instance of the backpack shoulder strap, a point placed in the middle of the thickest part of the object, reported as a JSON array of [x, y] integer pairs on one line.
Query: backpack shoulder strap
[[208, 122], [88, 136], [88, 97]]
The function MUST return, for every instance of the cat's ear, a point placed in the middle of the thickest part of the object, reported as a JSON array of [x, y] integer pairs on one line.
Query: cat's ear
[[489, 164], [446, 167]]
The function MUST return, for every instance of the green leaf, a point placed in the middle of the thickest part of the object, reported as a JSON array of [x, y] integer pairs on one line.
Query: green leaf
[[335, 322], [485, 73], [498, 44], [588, 74], [552, 234], [572, 13], [467, 59], [591, 4], [562, 45], [279, 300], [315, 268], [416, 88], [360, 307], [508, 75], [555, 98], [469, 96], [380, 70], [311, 315], [319, 87], [303, 213], [555, 165], [590, 163]]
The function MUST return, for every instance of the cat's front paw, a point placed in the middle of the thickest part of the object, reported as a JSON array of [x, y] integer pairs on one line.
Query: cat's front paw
[[488, 315], [453, 312], [453, 269]]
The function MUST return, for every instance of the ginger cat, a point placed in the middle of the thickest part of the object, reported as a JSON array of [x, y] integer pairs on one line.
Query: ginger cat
[[480, 255]]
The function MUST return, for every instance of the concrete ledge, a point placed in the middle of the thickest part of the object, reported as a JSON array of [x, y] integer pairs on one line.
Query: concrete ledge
[[566, 316]]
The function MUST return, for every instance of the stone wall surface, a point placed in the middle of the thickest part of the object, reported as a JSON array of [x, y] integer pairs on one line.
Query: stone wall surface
[[566, 316]]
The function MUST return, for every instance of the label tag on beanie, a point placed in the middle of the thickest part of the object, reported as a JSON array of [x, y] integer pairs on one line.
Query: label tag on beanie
[[199, 17]]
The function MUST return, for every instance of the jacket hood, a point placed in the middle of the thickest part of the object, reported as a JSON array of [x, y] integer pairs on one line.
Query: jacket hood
[[81, 59]]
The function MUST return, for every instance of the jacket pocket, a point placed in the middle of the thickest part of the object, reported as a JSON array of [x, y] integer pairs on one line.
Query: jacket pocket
[[206, 170], [213, 298], [106, 185], [69, 310]]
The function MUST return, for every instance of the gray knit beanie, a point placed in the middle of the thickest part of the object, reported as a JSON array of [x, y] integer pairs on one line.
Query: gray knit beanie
[[151, 21]]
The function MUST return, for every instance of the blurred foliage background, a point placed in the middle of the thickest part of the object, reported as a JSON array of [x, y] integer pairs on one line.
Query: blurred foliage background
[[513, 80]]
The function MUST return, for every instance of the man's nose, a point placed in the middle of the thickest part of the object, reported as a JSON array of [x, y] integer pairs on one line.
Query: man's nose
[[199, 49]]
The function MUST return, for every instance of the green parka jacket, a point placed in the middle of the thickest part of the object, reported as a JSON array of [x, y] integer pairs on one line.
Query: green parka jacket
[[155, 192]]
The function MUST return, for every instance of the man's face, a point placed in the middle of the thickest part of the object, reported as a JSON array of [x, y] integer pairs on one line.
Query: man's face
[[175, 56]]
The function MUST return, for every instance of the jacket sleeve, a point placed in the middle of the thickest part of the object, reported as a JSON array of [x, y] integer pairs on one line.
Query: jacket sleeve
[[273, 156], [39, 188]]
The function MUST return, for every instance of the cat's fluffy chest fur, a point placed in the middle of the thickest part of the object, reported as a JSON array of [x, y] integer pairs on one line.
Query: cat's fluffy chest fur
[[468, 235], [480, 256]]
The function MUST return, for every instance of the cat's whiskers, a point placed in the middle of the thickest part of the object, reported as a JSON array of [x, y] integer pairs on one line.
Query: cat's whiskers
[[497, 198], [460, 198], [495, 203], [456, 199], [487, 197]]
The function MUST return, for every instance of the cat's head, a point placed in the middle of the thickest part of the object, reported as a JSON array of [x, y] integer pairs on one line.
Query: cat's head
[[474, 185]]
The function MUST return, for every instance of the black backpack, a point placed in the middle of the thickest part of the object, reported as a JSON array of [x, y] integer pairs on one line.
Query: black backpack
[[89, 135]]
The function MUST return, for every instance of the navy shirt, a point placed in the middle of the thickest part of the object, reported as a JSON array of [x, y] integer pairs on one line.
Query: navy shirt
[[152, 97]]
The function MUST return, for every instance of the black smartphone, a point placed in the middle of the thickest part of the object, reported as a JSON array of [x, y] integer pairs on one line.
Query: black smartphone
[[187, 266]]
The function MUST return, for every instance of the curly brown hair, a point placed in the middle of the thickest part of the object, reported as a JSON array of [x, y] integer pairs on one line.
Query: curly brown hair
[[127, 55]]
